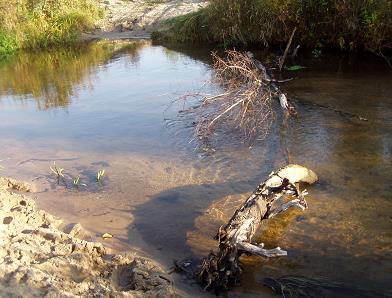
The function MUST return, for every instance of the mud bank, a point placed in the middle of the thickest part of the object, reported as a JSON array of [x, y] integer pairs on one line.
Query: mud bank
[[40, 256]]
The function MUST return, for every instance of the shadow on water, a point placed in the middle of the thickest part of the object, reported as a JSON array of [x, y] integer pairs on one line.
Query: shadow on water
[[167, 231], [178, 223], [167, 219]]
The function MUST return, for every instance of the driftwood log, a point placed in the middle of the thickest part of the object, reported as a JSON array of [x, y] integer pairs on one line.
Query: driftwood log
[[221, 270]]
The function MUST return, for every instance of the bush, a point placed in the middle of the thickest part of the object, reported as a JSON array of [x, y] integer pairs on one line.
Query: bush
[[349, 25], [43, 23]]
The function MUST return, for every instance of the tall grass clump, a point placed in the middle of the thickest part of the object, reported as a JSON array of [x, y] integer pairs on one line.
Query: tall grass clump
[[44, 23], [348, 25]]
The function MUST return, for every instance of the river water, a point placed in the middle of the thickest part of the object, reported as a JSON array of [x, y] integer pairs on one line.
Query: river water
[[110, 106]]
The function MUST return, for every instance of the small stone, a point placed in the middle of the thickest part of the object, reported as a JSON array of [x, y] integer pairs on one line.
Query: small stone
[[107, 236], [7, 220]]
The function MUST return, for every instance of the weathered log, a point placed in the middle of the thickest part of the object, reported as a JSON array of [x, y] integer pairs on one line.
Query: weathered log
[[221, 270]]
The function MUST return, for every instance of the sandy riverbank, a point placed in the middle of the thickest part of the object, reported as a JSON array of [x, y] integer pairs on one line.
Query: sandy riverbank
[[125, 19], [40, 256]]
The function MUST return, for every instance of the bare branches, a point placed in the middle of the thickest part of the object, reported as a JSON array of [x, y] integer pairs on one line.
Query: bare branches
[[246, 102]]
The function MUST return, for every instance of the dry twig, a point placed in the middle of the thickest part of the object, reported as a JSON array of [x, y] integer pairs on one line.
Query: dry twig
[[246, 102]]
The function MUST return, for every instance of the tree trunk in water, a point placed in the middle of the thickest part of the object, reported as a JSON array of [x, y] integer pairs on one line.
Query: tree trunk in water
[[221, 270]]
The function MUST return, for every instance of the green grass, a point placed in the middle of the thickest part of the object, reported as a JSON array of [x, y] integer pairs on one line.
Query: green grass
[[44, 23], [8, 44], [347, 25]]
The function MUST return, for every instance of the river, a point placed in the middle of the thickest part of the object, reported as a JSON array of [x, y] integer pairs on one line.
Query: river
[[113, 106]]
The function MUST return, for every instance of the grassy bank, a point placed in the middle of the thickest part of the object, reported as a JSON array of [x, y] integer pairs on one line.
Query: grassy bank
[[348, 25], [44, 23]]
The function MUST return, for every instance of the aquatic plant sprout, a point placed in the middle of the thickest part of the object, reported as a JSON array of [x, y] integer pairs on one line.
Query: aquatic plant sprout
[[100, 175], [59, 172], [77, 182]]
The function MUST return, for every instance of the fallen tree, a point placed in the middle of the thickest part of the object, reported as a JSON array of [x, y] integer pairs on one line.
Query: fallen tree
[[221, 270], [246, 103]]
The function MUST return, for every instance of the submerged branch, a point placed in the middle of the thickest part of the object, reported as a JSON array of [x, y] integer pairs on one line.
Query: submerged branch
[[246, 104]]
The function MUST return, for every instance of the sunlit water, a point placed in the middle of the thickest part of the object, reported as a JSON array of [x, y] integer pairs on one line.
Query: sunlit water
[[108, 106]]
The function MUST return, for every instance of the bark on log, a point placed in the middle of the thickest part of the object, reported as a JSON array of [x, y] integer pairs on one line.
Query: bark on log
[[221, 270]]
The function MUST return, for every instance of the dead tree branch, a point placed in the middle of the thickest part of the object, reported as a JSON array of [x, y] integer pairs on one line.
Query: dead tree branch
[[283, 99], [283, 58], [221, 270]]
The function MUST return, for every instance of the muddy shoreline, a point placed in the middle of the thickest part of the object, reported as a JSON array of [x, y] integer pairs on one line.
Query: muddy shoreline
[[40, 256]]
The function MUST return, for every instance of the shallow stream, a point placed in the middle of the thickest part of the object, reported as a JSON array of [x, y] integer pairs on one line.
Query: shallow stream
[[108, 106]]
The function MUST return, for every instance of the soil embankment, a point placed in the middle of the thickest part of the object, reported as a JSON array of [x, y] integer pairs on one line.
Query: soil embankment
[[39, 256]]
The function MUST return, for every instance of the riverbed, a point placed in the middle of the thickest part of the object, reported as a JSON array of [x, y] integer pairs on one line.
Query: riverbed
[[112, 106]]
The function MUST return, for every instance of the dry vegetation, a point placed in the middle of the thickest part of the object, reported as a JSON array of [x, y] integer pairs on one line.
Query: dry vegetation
[[347, 25], [246, 104]]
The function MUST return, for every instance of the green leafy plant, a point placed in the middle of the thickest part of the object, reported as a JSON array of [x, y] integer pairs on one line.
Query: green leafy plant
[[100, 175], [59, 172]]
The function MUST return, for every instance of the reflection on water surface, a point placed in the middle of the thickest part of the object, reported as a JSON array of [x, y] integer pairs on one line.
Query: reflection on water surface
[[103, 106], [52, 77]]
